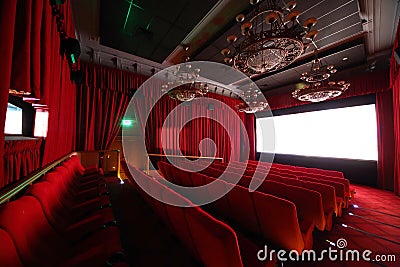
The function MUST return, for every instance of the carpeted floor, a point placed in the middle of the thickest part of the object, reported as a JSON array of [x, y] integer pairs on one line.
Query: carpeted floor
[[149, 242], [367, 229]]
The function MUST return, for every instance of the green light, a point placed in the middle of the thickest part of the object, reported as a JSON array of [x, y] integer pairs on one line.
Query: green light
[[127, 123], [73, 59], [148, 24], [127, 15], [129, 11]]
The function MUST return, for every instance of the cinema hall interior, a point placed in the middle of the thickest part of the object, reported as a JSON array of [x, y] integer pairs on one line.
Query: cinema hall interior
[[218, 133]]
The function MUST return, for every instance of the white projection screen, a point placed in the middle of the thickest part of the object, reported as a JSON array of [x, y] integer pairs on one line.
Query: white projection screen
[[349, 133]]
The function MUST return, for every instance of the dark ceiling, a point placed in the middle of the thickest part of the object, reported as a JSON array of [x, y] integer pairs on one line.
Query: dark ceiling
[[152, 33], [149, 28]]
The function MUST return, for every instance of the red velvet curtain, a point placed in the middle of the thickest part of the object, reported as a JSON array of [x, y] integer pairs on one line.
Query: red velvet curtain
[[21, 158], [211, 121], [7, 23], [102, 100], [384, 117], [396, 125], [364, 84], [31, 63], [395, 84], [56, 88]]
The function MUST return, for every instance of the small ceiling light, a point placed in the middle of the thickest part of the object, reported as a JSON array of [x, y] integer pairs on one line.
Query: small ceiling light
[[345, 58]]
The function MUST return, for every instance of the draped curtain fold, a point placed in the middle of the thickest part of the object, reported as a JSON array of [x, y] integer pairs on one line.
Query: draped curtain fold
[[102, 100], [396, 125], [31, 63], [21, 158], [200, 127], [7, 24], [395, 84], [384, 118]]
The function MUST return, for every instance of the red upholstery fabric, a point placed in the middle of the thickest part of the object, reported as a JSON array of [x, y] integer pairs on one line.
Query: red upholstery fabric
[[8, 252], [37, 243], [278, 221], [308, 203], [211, 241], [328, 196], [238, 206]]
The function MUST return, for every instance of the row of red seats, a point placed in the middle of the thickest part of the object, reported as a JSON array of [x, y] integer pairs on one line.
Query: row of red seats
[[63, 220], [258, 214], [337, 183], [342, 185], [314, 173], [315, 202], [212, 242], [308, 202]]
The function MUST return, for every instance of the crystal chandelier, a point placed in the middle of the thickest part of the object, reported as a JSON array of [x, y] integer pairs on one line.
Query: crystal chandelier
[[318, 87], [184, 85], [272, 38], [253, 101]]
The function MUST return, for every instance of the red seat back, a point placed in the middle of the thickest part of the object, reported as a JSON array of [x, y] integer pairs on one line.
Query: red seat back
[[8, 253]]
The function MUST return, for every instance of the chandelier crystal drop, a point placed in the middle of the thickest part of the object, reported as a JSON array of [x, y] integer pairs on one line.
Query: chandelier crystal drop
[[184, 86], [272, 37], [318, 86]]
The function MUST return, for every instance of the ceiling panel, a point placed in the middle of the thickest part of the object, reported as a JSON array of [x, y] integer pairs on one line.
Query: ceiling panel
[[140, 27], [356, 56], [155, 28]]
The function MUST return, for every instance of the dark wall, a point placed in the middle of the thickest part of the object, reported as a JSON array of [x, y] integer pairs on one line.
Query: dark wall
[[357, 171]]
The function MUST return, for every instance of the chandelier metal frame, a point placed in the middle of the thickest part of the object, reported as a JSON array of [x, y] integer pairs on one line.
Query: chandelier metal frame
[[319, 87], [272, 38], [252, 101], [184, 86]]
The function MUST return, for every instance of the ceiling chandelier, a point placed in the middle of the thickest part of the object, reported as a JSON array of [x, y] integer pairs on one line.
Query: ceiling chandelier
[[252, 101], [272, 38], [184, 86], [318, 86]]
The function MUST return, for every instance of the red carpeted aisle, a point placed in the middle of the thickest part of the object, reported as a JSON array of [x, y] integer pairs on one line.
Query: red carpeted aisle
[[373, 204]]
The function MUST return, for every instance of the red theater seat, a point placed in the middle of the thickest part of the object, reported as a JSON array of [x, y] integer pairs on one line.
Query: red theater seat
[[8, 253], [38, 244], [339, 191], [91, 229], [210, 241]]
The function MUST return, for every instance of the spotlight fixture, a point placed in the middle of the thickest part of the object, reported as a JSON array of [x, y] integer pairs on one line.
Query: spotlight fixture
[[272, 38], [318, 87]]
